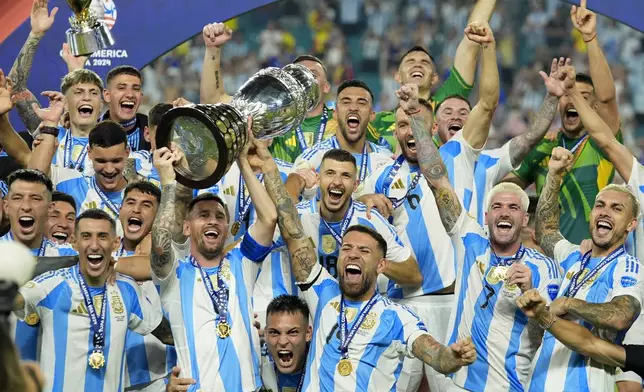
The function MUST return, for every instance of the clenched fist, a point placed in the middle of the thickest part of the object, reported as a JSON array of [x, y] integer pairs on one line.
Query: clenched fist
[[479, 32], [216, 34], [561, 161]]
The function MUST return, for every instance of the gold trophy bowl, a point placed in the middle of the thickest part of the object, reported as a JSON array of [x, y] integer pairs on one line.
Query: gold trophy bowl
[[87, 33]]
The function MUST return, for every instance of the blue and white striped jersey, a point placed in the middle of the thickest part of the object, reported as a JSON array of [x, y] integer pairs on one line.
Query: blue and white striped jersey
[[636, 183], [86, 191], [230, 364], [327, 245], [72, 152], [491, 167], [144, 166], [376, 352], [56, 299], [312, 157], [4, 189], [27, 335], [556, 367], [504, 338], [416, 218]]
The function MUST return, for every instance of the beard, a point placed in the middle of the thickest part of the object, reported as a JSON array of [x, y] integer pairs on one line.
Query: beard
[[355, 291], [210, 252]]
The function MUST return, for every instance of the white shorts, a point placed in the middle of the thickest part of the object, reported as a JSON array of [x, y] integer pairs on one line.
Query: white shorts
[[434, 311]]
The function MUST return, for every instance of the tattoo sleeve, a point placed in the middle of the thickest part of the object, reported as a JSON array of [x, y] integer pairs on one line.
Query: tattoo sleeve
[[129, 172], [521, 145], [164, 332], [435, 172], [435, 354], [183, 198], [301, 248], [547, 214], [161, 257], [19, 74], [616, 315]]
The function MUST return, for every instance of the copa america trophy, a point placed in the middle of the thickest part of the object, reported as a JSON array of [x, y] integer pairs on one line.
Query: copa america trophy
[[87, 33], [212, 136]]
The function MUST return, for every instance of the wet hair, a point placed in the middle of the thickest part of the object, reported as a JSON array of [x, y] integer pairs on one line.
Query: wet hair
[[382, 244], [144, 187], [107, 134], [308, 57], [96, 214], [339, 155], [205, 197], [30, 175], [80, 76], [157, 112], [584, 78], [57, 196], [123, 70], [355, 83], [291, 304]]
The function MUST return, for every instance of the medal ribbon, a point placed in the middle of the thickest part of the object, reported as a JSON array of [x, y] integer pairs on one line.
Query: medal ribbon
[[506, 262], [104, 197], [300, 134], [345, 338], [345, 224], [67, 157], [218, 297], [575, 285], [244, 203], [98, 324], [392, 174], [364, 160]]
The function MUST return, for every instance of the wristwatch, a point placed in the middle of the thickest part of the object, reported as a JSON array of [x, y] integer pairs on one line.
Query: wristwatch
[[50, 131]]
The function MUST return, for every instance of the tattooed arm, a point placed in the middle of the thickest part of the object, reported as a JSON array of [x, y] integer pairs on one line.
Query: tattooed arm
[[212, 85], [41, 21], [547, 212], [300, 246], [444, 359], [616, 315], [429, 159], [521, 145], [183, 197]]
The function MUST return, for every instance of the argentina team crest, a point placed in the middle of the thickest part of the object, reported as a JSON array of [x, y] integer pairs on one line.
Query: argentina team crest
[[328, 244]]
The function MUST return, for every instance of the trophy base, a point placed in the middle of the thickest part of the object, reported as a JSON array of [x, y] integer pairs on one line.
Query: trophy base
[[210, 136], [87, 41]]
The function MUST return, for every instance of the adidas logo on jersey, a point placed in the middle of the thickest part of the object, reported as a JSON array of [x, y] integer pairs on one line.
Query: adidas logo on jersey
[[398, 184]]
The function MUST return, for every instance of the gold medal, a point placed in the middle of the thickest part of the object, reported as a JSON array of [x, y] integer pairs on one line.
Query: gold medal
[[501, 273], [223, 330], [345, 367], [97, 360], [32, 319], [235, 229]]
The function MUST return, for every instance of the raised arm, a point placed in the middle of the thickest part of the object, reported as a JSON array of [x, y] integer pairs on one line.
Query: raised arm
[[429, 159], [467, 51], [444, 359], [164, 224], [41, 21], [572, 335], [616, 315], [477, 127], [547, 213], [256, 154], [521, 145], [585, 21], [45, 147], [12, 143], [602, 134], [300, 246], [212, 84]]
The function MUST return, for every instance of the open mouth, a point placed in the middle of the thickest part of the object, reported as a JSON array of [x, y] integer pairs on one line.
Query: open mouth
[[109, 177], [85, 110], [411, 144], [353, 121], [455, 127], [571, 115], [603, 226], [504, 226], [335, 194], [353, 273], [95, 259], [128, 106], [285, 357], [134, 224], [60, 236], [417, 75], [211, 234], [26, 222]]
